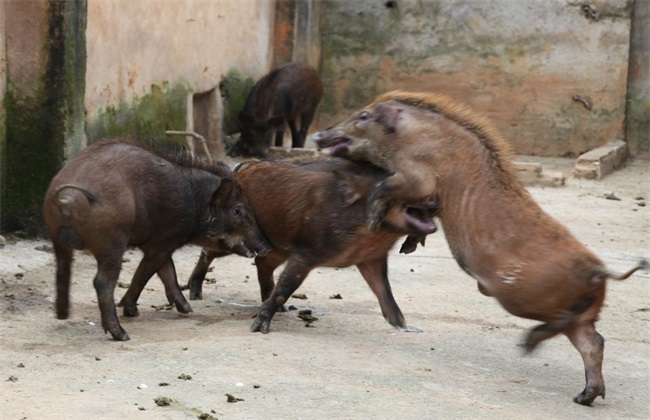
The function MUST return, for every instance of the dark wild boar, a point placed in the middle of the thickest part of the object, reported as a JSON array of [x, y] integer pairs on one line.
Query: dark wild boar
[[314, 214], [117, 194], [281, 97], [497, 233]]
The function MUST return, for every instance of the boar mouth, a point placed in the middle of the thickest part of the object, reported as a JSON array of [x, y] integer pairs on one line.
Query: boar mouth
[[419, 219], [337, 144], [240, 248]]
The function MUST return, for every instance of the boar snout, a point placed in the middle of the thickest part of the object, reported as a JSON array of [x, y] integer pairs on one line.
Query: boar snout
[[338, 144]]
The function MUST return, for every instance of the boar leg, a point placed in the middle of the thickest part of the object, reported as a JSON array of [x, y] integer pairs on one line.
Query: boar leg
[[63, 273], [295, 135], [279, 136], [376, 275], [108, 271], [266, 265], [290, 279], [164, 266], [305, 122], [167, 274], [195, 283], [590, 344]]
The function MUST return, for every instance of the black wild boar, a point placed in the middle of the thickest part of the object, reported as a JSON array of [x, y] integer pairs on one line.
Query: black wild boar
[[314, 214], [281, 97], [116, 194]]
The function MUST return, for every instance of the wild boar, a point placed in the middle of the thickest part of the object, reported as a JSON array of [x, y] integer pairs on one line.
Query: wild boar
[[117, 194], [313, 215], [281, 97], [534, 267]]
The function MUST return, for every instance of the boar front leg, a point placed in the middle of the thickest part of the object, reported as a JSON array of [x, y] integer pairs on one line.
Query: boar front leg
[[162, 264], [290, 279], [376, 275], [195, 283], [266, 265]]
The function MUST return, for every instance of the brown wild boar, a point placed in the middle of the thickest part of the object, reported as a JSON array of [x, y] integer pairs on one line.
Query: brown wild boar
[[281, 97], [313, 214], [117, 194], [530, 263]]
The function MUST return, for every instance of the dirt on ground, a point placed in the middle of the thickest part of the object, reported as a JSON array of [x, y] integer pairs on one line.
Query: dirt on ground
[[348, 363]]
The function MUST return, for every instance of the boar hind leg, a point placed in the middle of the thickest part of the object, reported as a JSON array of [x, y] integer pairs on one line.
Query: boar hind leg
[[305, 122], [545, 331], [279, 136], [561, 322], [290, 279], [63, 273], [590, 344], [376, 275], [108, 272], [195, 283]]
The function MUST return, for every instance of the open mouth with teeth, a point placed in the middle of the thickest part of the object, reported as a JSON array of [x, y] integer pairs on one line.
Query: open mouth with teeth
[[419, 219], [338, 145]]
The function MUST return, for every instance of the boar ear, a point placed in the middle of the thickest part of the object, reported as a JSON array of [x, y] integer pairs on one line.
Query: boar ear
[[388, 116], [347, 186], [222, 191]]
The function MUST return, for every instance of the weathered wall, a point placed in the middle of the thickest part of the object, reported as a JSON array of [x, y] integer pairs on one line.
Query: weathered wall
[[637, 127], [551, 74], [145, 57], [3, 88], [43, 102]]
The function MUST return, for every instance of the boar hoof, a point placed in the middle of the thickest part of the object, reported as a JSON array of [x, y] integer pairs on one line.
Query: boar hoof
[[131, 310], [120, 335], [588, 396], [261, 324], [184, 307]]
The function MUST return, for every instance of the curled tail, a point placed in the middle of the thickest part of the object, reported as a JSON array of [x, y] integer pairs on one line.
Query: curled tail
[[641, 265], [92, 198]]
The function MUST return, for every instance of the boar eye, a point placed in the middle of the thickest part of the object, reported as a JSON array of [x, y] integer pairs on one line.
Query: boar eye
[[237, 211], [364, 116]]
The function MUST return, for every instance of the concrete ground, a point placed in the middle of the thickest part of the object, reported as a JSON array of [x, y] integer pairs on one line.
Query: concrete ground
[[351, 364]]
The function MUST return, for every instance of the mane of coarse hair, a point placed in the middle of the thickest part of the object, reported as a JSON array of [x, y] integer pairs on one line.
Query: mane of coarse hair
[[499, 149], [177, 154]]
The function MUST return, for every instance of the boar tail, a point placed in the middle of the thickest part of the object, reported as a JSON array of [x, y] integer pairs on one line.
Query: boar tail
[[92, 198], [641, 265]]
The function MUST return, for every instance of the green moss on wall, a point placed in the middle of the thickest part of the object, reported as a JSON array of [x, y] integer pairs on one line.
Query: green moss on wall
[[148, 117], [234, 91], [38, 117]]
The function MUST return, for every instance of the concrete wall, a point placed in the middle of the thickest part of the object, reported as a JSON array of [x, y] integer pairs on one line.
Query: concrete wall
[[43, 102], [551, 74], [142, 49], [637, 134]]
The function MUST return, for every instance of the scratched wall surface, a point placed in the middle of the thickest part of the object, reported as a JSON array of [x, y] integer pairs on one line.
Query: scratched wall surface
[[551, 74]]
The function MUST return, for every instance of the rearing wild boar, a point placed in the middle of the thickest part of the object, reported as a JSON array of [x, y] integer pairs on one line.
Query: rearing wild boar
[[313, 214], [497, 233], [116, 194], [281, 97]]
